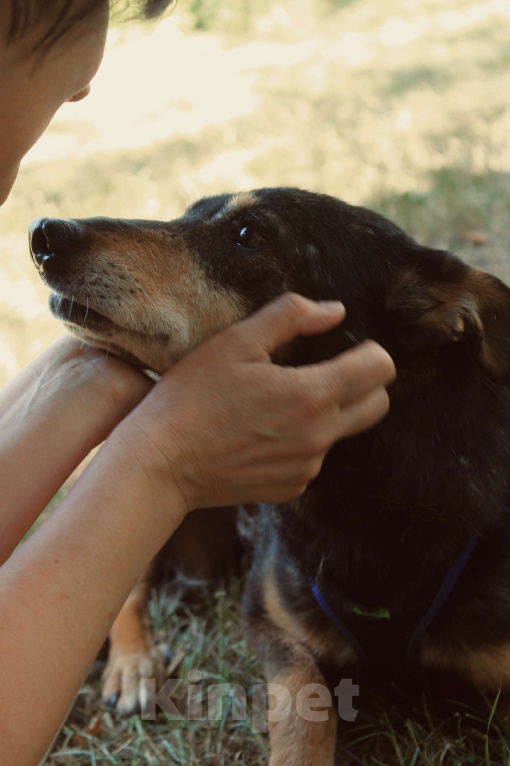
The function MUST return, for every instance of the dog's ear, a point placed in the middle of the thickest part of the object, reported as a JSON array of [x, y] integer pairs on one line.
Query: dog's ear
[[467, 306]]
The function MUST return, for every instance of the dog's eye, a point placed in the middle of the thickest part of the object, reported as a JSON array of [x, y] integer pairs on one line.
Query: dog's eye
[[248, 236]]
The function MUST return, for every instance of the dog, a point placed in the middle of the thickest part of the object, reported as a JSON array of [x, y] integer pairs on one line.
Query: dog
[[395, 561]]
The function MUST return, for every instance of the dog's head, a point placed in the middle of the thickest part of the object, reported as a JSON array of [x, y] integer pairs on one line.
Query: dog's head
[[150, 291]]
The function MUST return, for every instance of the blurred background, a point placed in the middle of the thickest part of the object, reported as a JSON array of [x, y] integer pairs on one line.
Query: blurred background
[[403, 106]]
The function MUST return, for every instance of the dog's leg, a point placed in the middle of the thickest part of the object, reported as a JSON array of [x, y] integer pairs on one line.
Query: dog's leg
[[302, 725], [133, 655], [204, 544], [295, 739], [487, 668]]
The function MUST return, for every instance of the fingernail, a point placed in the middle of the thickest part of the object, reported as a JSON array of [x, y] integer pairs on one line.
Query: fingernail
[[333, 307]]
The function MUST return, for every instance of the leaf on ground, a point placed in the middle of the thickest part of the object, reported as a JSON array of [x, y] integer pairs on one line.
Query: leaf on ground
[[93, 730], [476, 237]]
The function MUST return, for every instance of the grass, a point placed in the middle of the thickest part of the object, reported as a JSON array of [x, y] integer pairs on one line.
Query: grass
[[205, 634], [403, 107]]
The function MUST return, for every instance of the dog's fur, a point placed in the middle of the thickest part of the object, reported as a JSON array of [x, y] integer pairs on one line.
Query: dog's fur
[[392, 508]]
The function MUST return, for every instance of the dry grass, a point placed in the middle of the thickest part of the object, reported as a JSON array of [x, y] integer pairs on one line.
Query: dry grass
[[400, 106]]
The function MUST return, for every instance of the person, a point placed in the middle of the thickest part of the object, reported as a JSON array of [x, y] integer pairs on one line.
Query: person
[[225, 425]]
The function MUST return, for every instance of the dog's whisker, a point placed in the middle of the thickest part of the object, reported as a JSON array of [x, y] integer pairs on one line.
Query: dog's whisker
[[70, 307]]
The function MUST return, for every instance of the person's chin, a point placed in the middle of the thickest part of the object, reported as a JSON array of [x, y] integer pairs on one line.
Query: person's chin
[[7, 179]]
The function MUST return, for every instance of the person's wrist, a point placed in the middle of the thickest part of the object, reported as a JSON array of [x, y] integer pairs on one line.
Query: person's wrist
[[135, 442], [119, 385], [93, 391]]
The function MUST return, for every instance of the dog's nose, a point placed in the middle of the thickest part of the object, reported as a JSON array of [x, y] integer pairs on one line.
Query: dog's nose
[[51, 239]]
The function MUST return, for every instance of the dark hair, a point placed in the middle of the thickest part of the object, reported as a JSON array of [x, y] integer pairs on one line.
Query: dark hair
[[56, 17]]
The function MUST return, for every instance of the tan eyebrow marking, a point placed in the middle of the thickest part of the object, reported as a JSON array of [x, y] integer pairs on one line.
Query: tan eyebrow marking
[[238, 202]]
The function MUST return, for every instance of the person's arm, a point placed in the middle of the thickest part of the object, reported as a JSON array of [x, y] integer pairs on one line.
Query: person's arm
[[52, 415], [62, 589], [225, 425]]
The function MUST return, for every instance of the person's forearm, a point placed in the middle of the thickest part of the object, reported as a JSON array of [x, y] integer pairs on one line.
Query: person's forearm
[[51, 416], [60, 592]]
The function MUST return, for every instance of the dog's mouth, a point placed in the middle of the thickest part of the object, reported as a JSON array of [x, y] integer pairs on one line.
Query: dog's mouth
[[93, 327], [72, 312]]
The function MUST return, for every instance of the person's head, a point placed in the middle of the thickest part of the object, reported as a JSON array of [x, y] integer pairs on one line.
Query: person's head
[[49, 52]]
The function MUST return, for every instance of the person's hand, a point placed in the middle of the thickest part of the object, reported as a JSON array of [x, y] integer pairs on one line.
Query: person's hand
[[227, 425], [67, 401]]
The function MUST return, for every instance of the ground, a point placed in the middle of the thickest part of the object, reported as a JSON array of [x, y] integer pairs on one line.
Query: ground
[[400, 106]]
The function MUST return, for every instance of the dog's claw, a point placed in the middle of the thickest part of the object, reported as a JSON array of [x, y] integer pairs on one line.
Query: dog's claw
[[166, 651], [123, 675], [113, 699]]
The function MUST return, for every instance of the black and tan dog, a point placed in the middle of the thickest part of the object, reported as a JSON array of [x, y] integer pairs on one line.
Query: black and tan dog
[[397, 557]]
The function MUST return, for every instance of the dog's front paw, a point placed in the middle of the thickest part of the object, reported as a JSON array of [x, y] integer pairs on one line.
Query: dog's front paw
[[121, 683]]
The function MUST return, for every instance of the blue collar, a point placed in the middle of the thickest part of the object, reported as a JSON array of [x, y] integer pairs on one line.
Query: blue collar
[[413, 646]]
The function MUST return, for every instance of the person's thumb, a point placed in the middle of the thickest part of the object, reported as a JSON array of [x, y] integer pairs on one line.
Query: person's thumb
[[284, 319]]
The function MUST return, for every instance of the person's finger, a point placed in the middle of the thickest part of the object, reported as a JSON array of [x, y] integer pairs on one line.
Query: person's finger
[[286, 318], [363, 414], [351, 375]]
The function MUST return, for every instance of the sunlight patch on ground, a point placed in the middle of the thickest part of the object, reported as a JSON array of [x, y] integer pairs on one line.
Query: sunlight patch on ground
[[167, 82], [480, 12], [145, 91], [397, 32], [229, 165], [353, 48]]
